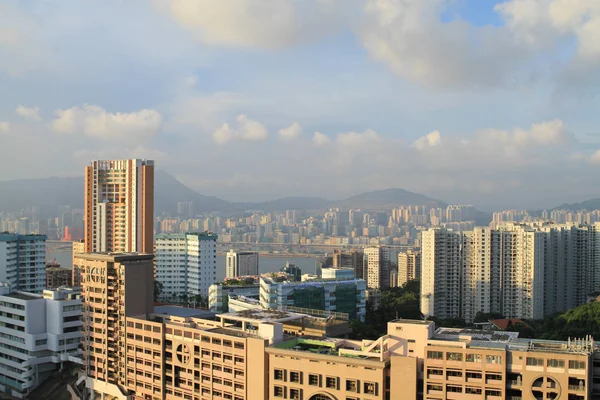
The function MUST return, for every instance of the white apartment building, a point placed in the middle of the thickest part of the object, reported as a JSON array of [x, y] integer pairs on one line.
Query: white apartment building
[[23, 261], [186, 264], [440, 273], [241, 263], [526, 270], [376, 267], [38, 333]]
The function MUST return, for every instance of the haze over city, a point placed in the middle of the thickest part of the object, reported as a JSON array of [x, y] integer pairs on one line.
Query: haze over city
[[480, 102]]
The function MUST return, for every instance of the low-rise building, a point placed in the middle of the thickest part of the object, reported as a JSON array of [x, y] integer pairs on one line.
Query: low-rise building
[[337, 273], [38, 333], [219, 294], [344, 296]]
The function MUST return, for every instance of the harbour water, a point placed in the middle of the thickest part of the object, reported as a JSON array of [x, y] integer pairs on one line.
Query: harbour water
[[62, 253]]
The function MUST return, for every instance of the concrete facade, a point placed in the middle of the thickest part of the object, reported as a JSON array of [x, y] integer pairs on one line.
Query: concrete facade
[[241, 264], [119, 206], [38, 333], [23, 261], [345, 296], [186, 264]]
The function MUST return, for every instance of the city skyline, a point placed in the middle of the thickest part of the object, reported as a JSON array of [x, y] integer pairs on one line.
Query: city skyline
[[325, 97]]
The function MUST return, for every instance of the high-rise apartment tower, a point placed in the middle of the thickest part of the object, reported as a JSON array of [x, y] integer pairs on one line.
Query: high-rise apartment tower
[[119, 206]]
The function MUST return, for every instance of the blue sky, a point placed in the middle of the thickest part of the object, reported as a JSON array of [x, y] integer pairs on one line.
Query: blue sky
[[469, 101]]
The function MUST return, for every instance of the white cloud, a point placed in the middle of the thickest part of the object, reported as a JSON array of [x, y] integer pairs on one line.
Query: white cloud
[[358, 139], [411, 38], [291, 132], [4, 127], [595, 158], [223, 134], [246, 129], [29, 112], [258, 23], [95, 122], [432, 139], [320, 139]]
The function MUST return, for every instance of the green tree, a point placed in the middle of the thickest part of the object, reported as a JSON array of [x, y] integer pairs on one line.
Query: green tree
[[158, 289]]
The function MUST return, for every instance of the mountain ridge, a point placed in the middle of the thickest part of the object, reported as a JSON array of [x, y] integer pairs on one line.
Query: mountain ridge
[[49, 193]]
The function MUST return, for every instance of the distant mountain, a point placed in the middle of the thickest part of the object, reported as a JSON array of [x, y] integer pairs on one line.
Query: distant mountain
[[168, 191], [387, 199], [49, 193], [288, 203], [592, 204]]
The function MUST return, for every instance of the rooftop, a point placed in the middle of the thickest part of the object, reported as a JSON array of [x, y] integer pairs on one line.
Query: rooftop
[[261, 315], [23, 296], [183, 312], [412, 321], [463, 334], [115, 257]]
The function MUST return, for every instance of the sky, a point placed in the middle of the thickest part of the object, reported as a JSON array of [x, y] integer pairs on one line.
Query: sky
[[469, 101]]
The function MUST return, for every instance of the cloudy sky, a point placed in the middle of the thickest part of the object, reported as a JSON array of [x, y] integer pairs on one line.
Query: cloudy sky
[[470, 101]]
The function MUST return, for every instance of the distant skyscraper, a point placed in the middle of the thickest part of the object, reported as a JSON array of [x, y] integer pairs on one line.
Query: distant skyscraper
[[376, 267], [186, 264], [241, 264], [352, 259], [119, 206], [23, 261], [409, 266]]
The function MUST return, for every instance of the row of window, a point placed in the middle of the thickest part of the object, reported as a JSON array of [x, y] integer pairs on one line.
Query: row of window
[[330, 382], [554, 363], [469, 357]]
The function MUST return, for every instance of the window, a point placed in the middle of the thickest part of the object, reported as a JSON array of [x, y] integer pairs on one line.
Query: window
[[278, 374], [471, 390], [450, 356], [574, 364], [535, 362], [313, 379], [552, 363], [452, 372], [493, 377], [474, 358], [351, 385], [454, 389], [493, 392], [433, 372], [331, 382], [370, 388], [493, 359], [435, 355], [295, 394], [473, 375], [434, 388], [296, 377]]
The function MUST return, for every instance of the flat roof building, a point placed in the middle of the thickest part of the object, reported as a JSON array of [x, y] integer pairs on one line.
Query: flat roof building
[[39, 332]]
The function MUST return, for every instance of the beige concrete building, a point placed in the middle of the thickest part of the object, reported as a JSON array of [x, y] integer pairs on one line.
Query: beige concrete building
[[78, 248], [409, 266], [114, 286], [119, 206]]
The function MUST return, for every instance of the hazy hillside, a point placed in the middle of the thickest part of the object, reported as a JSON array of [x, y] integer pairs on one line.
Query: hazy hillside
[[49, 193], [388, 199], [592, 204]]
